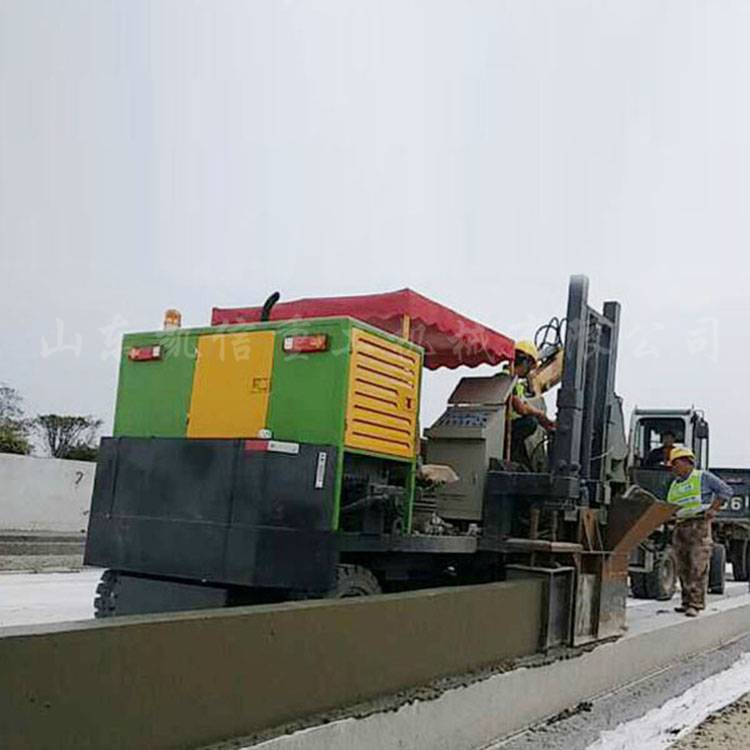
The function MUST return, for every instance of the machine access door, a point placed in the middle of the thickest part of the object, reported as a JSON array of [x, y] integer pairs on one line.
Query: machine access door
[[231, 385]]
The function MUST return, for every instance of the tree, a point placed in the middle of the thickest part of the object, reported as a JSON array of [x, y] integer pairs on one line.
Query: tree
[[67, 436], [83, 452], [14, 428]]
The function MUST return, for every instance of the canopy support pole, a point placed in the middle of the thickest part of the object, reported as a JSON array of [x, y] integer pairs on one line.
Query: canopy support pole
[[405, 327]]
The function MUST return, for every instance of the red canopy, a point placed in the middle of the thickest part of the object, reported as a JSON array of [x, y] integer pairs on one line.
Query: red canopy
[[449, 339]]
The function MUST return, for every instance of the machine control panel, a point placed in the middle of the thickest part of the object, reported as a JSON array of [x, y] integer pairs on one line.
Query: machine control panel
[[462, 417], [468, 436]]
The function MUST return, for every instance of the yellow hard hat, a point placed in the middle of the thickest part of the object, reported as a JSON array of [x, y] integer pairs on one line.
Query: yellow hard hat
[[527, 348], [681, 451]]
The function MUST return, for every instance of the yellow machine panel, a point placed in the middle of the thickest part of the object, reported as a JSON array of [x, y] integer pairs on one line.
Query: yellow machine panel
[[382, 406], [231, 385]]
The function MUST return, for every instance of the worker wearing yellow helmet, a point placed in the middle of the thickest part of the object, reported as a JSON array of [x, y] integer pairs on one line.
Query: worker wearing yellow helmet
[[525, 418], [698, 495]]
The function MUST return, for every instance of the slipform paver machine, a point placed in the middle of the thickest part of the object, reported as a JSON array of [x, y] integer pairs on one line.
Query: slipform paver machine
[[276, 455]]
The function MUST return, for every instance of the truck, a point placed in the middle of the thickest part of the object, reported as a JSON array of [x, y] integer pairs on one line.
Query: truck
[[276, 455], [653, 573]]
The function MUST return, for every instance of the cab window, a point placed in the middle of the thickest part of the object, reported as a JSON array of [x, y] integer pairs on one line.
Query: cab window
[[650, 437]]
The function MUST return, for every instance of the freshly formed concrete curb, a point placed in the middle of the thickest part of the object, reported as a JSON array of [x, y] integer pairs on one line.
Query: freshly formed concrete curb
[[471, 717], [185, 680]]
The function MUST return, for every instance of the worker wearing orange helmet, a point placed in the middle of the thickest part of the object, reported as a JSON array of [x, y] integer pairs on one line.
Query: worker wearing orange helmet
[[524, 417], [698, 495]]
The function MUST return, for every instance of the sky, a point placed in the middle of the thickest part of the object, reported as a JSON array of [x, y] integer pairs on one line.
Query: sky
[[182, 153]]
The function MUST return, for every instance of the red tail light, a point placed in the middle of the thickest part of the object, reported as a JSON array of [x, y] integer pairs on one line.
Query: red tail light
[[306, 344], [144, 353]]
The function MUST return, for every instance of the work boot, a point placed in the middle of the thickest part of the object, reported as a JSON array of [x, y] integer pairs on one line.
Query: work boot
[[681, 608], [691, 612]]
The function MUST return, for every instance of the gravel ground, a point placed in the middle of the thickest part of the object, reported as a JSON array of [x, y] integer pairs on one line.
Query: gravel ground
[[728, 729]]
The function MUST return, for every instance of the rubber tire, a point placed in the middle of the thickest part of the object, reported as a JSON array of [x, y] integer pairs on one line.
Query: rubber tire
[[738, 556], [717, 572], [661, 582], [354, 580], [105, 600], [638, 586]]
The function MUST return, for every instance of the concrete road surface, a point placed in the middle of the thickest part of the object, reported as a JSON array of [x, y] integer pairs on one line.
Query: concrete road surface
[[35, 598]]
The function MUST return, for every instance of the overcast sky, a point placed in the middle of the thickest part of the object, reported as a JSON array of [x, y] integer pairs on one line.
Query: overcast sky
[[187, 154]]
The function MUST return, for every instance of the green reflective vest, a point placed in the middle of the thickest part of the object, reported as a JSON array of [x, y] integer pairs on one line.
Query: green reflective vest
[[519, 389], [686, 493]]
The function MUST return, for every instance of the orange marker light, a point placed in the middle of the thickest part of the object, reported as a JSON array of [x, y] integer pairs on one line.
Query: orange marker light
[[172, 319]]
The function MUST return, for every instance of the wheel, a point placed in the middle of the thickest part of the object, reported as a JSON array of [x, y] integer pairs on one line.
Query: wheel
[[106, 596], [354, 580], [638, 586], [717, 572], [120, 593], [662, 580], [738, 556]]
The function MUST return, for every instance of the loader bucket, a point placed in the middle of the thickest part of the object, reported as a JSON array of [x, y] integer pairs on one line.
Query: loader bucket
[[632, 517]]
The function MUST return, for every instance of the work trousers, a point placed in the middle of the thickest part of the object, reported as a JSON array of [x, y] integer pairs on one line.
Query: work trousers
[[521, 428], [692, 545]]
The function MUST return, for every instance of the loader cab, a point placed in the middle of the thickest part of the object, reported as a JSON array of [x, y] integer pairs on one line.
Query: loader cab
[[648, 428]]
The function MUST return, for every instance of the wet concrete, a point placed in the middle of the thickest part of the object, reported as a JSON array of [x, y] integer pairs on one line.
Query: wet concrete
[[189, 679], [386, 704], [557, 694]]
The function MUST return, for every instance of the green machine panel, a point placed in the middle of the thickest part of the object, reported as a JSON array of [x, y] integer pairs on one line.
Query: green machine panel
[[308, 391], [153, 396]]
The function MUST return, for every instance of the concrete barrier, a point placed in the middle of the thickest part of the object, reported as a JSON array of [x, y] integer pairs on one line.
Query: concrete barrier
[[44, 494], [475, 716], [190, 679]]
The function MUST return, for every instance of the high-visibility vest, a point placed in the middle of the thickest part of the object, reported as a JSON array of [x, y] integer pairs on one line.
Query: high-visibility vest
[[519, 389], [686, 493]]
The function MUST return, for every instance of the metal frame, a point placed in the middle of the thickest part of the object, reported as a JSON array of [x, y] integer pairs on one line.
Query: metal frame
[[587, 393]]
